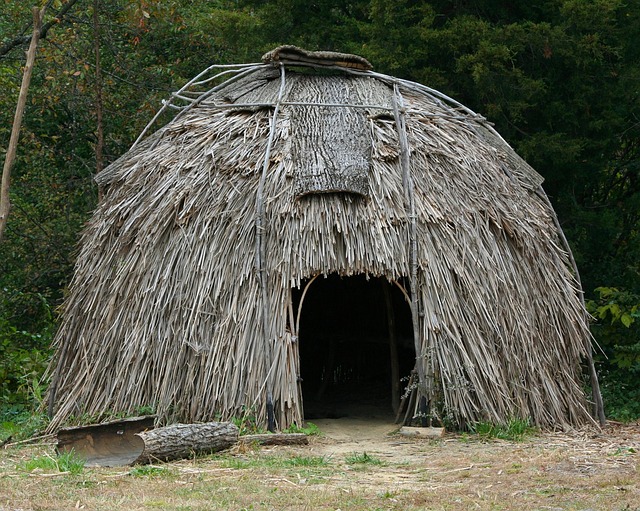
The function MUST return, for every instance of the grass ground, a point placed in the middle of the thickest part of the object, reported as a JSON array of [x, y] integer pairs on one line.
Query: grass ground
[[353, 468]]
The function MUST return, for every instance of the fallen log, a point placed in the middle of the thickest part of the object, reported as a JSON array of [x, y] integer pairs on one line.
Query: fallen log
[[135, 441], [180, 441]]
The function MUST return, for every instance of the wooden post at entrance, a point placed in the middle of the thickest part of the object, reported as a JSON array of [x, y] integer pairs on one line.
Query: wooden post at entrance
[[393, 347]]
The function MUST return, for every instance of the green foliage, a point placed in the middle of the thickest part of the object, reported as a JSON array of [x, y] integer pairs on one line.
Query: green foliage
[[615, 305], [275, 462], [515, 430], [20, 374], [149, 471], [617, 332], [306, 461], [624, 451], [362, 459], [19, 422], [24, 354], [63, 462], [309, 429], [26, 330], [248, 422], [620, 393]]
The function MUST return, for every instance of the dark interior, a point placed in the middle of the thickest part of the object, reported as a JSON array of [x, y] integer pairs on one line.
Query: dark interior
[[355, 340]]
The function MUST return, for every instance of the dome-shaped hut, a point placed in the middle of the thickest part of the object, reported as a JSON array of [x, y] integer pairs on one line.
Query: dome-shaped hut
[[312, 231]]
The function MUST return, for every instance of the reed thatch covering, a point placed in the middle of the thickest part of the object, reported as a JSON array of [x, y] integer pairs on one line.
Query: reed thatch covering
[[181, 297]]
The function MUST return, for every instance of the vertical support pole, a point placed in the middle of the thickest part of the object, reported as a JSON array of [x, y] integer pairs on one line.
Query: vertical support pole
[[422, 366], [393, 347], [295, 341], [261, 261]]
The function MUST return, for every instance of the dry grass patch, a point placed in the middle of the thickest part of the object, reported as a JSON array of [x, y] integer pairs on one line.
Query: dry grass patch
[[550, 471]]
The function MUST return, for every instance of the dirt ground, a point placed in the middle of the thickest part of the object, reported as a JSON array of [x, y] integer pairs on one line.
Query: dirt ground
[[580, 470], [586, 470]]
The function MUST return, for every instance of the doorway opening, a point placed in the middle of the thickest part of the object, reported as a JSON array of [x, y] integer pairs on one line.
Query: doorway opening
[[356, 345]]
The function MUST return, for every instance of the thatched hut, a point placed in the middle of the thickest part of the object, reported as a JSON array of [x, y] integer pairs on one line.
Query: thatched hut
[[312, 231]]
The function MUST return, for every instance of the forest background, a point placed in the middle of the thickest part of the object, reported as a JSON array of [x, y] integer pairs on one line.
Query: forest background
[[560, 79]]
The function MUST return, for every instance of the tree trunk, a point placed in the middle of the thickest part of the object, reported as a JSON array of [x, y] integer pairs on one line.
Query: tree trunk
[[186, 440], [17, 120]]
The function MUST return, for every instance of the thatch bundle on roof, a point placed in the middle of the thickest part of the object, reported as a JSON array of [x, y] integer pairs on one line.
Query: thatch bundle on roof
[[188, 289]]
